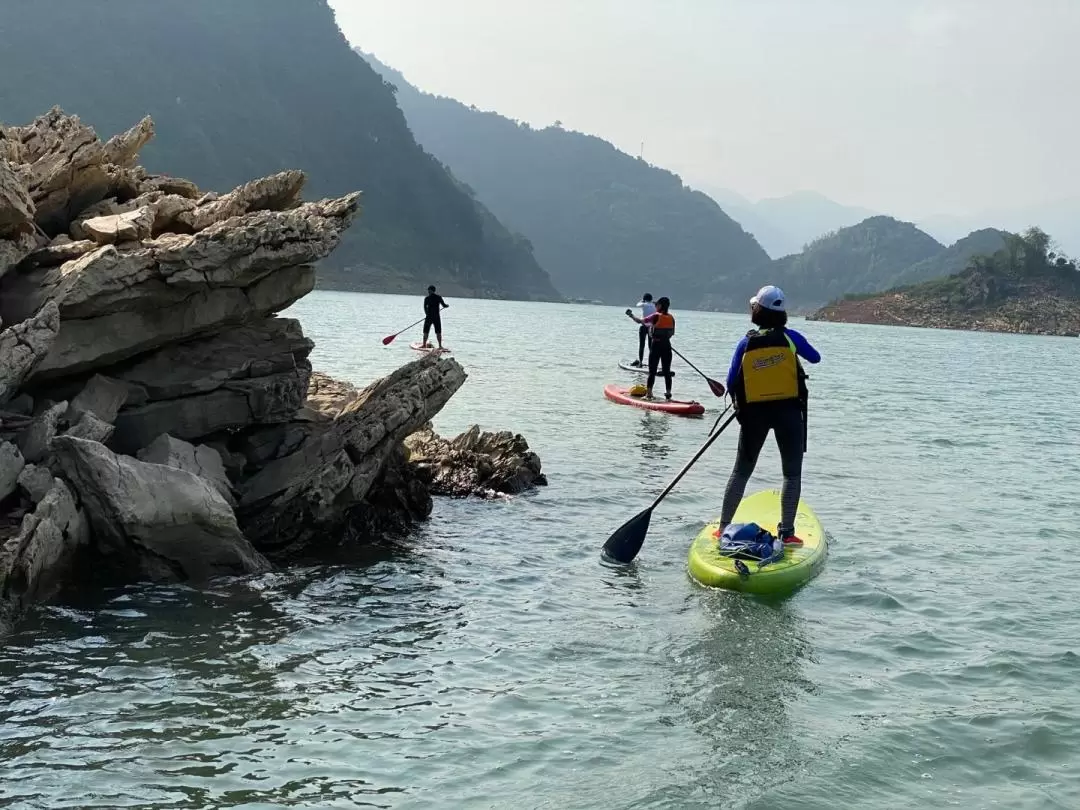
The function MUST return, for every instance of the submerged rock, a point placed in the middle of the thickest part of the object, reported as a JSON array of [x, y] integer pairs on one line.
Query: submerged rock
[[476, 462]]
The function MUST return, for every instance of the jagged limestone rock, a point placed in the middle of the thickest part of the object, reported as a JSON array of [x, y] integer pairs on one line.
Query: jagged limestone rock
[[37, 560], [309, 492], [202, 461], [23, 348], [161, 523]]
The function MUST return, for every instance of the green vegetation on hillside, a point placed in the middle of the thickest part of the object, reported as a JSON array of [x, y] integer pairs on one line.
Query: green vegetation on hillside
[[1022, 287], [953, 259], [990, 279], [242, 88], [863, 258], [606, 225]]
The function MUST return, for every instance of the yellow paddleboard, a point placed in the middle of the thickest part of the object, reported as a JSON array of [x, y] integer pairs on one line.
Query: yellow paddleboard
[[799, 565]]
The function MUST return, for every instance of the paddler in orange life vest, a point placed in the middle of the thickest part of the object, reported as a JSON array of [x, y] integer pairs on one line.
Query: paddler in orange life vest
[[767, 382], [661, 330]]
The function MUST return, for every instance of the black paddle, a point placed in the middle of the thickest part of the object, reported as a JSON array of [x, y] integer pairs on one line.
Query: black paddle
[[386, 341], [627, 540], [714, 386]]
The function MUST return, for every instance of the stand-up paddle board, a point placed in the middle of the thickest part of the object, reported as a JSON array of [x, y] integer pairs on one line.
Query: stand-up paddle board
[[622, 396], [420, 347], [626, 365], [799, 565]]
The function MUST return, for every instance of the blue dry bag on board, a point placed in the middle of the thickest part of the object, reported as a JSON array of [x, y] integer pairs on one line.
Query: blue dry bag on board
[[748, 541]]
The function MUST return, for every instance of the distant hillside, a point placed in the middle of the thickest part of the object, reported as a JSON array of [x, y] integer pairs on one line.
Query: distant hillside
[[605, 225], [243, 88], [1023, 287], [1060, 217], [953, 259], [863, 258], [786, 225]]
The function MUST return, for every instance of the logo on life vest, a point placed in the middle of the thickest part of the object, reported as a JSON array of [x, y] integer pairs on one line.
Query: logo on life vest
[[766, 362]]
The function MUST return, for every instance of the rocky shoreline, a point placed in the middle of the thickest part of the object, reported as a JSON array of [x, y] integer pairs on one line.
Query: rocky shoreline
[[1037, 314], [158, 420]]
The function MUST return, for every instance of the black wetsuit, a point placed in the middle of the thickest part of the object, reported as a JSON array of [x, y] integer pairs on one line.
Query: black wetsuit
[[432, 317]]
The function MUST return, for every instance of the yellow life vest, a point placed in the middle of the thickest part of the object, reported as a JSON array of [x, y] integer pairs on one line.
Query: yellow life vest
[[770, 368]]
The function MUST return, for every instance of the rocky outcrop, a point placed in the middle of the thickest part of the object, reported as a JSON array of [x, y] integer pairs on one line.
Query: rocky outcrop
[[37, 557], [154, 521], [321, 470], [24, 346], [1039, 306], [476, 462], [202, 461], [156, 414]]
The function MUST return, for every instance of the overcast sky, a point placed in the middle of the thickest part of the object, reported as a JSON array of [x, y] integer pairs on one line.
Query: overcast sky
[[911, 107]]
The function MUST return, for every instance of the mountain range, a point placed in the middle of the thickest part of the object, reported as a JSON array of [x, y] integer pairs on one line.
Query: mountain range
[[605, 225], [244, 88]]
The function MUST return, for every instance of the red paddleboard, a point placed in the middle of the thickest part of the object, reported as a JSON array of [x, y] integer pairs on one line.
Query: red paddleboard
[[419, 347], [622, 396]]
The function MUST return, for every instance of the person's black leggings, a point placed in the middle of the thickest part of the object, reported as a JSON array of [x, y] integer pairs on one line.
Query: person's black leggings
[[642, 340], [432, 321], [786, 423], [660, 354]]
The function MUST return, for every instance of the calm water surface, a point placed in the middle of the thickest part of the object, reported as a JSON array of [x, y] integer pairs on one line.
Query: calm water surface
[[490, 661]]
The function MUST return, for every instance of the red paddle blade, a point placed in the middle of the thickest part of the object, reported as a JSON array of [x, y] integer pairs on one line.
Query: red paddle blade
[[386, 341], [716, 388]]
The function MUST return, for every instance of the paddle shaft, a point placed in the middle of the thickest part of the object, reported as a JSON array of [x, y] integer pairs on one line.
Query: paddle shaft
[[406, 329], [690, 463], [695, 368]]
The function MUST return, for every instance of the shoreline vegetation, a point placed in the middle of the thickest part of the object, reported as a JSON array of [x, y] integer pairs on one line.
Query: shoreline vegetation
[[158, 420], [1025, 287]]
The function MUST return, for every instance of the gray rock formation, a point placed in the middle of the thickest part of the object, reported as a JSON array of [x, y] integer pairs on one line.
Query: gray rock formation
[[309, 491], [36, 482], [202, 461], [16, 207], [141, 319], [253, 374], [11, 467], [37, 558], [24, 346], [159, 522], [476, 462], [35, 441]]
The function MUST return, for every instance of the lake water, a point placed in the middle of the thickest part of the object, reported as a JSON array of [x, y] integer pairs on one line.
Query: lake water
[[491, 661]]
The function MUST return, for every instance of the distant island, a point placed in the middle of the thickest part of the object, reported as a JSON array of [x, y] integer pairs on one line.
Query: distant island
[[1024, 287]]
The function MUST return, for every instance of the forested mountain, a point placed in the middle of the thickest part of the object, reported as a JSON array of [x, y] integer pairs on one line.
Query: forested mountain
[[877, 254], [242, 88], [1022, 287], [953, 259], [605, 225]]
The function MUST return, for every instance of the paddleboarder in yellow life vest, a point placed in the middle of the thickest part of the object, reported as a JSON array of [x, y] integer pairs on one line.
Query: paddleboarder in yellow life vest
[[661, 330], [767, 382]]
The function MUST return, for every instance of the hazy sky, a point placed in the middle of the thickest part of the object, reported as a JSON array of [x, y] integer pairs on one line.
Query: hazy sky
[[912, 107]]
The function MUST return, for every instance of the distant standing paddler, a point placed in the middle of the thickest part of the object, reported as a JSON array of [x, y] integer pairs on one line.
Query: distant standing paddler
[[661, 326], [768, 385], [647, 308], [433, 306]]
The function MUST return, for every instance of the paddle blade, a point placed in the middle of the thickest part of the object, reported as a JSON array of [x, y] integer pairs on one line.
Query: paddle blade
[[386, 341], [717, 388], [627, 540]]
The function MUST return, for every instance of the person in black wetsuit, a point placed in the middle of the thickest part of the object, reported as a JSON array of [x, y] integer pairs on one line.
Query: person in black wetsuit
[[433, 306], [661, 330]]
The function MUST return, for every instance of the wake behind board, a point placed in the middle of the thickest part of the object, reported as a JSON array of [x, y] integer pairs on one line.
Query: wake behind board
[[682, 408], [420, 347], [626, 366], [799, 565]]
